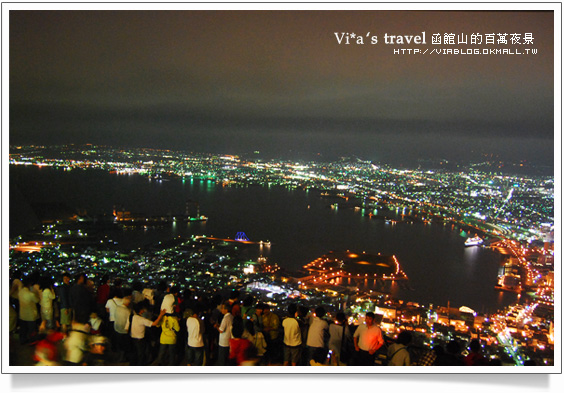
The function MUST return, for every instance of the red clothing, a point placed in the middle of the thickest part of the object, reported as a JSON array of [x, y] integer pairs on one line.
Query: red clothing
[[238, 349], [475, 359], [47, 349], [178, 305], [103, 294]]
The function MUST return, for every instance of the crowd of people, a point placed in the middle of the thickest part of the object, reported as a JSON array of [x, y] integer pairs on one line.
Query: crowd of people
[[109, 323]]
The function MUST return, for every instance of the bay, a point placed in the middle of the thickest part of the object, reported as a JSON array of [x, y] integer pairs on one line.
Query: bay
[[300, 225]]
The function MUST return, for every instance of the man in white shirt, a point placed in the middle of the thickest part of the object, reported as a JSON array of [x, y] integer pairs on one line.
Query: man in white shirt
[[111, 305], [122, 339], [76, 344], [224, 334], [137, 333], [367, 340], [168, 300], [318, 335], [28, 298], [292, 337], [195, 348]]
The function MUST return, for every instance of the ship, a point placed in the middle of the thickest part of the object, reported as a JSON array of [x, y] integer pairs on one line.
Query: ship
[[473, 241]]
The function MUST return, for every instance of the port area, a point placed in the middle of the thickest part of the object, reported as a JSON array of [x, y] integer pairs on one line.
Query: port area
[[340, 266], [127, 218], [522, 268]]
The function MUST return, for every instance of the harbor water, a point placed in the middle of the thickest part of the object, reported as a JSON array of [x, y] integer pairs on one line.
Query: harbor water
[[300, 225]]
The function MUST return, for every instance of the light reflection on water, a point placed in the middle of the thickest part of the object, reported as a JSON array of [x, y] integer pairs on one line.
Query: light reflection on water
[[300, 225]]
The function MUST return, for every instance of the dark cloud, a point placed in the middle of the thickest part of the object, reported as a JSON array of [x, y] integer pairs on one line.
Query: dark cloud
[[249, 78]]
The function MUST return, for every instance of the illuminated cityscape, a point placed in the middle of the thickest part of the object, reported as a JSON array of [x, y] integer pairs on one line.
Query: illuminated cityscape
[[512, 214], [386, 176], [515, 207]]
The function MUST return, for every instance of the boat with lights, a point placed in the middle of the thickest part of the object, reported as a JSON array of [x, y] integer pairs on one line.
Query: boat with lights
[[473, 241]]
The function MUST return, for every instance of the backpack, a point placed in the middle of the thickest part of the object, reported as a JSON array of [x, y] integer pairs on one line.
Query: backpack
[[387, 358]]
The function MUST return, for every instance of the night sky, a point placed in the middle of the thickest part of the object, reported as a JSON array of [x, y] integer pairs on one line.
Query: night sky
[[279, 82]]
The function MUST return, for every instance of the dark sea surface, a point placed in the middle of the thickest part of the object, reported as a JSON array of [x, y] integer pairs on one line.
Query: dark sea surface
[[301, 226]]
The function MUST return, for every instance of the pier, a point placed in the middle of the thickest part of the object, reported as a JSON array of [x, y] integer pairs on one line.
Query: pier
[[260, 243]]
